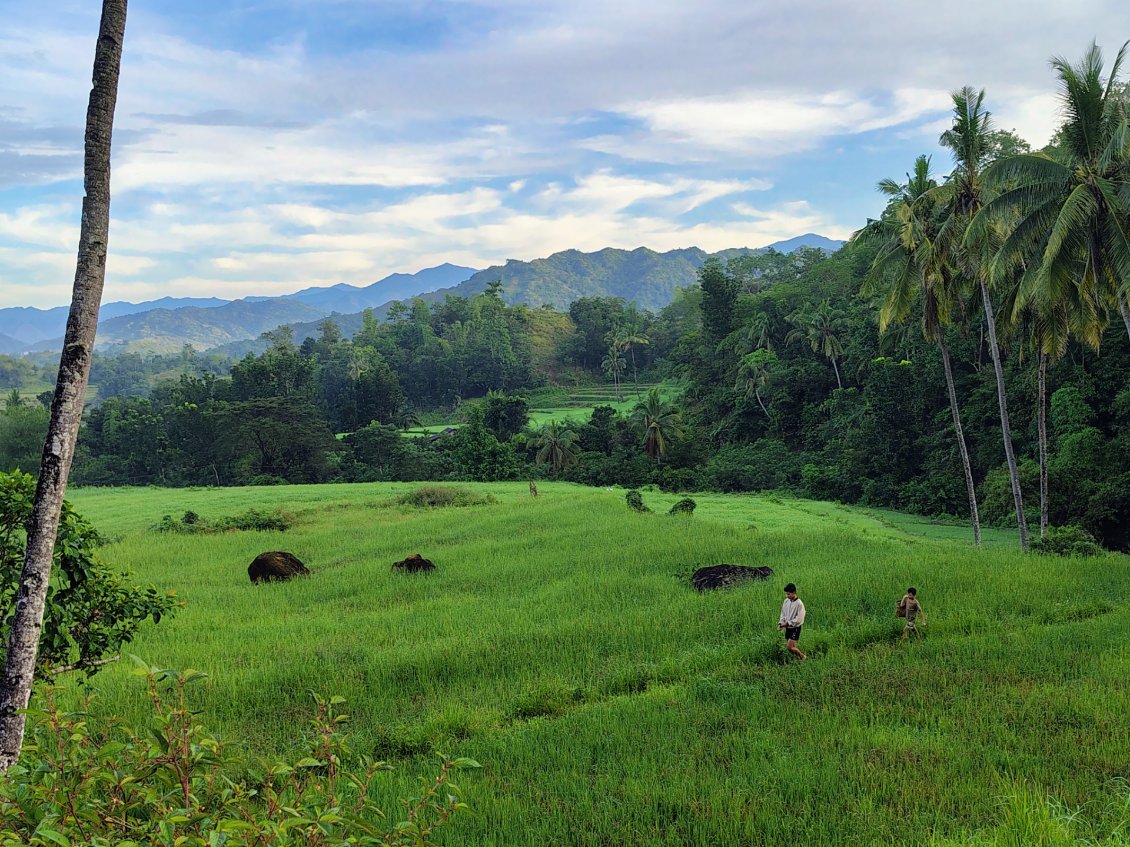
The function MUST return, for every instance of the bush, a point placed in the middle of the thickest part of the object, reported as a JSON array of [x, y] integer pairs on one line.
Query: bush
[[253, 519], [1108, 514], [635, 501], [91, 611], [766, 464], [87, 781], [439, 496], [1067, 541], [686, 506]]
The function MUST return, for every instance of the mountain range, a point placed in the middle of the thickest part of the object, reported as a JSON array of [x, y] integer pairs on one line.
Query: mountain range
[[644, 276], [171, 322]]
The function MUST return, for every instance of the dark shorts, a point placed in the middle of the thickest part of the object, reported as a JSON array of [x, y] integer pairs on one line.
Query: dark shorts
[[792, 633]]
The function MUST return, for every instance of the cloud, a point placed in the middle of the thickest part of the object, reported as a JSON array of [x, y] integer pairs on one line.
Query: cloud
[[273, 145]]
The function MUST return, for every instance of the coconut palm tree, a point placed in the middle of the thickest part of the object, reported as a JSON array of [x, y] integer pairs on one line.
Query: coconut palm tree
[[613, 364], [661, 424], [406, 418], [964, 195], [753, 375], [909, 269], [822, 330], [557, 446], [70, 389], [628, 340], [759, 332], [1071, 212]]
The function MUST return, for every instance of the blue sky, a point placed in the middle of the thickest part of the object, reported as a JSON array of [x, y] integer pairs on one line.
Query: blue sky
[[263, 146]]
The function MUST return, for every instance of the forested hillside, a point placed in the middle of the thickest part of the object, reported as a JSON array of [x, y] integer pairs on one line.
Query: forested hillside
[[784, 382]]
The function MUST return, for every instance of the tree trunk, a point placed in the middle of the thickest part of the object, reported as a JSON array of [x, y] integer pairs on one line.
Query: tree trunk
[[757, 394], [961, 446], [1125, 310], [1042, 423], [1006, 430], [70, 390], [836, 368]]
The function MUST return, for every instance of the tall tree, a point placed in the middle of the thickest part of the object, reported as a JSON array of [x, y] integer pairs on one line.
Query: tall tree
[[1066, 253], [556, 446], [70, 390], [909, 268], [753, 375], [661, 424], [969, 141], [822, 329], [1069, 214]]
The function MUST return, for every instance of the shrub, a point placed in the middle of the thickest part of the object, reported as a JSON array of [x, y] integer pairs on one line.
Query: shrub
[[82, 780], [1108, 514], [92, 611], [439, 496], [1067, 541], [635, 501], [253, 519], [686, 506]]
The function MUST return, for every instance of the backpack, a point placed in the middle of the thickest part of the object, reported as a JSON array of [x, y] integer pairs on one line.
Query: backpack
[[900, 608]]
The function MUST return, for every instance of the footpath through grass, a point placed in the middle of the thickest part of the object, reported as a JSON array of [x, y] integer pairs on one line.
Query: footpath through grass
[[558, 644]]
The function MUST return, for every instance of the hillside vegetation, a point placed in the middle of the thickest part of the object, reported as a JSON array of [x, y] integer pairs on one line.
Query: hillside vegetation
[[559, 644]]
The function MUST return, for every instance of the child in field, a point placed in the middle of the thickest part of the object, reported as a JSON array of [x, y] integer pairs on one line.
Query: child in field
[[792, 618], [911, 608]]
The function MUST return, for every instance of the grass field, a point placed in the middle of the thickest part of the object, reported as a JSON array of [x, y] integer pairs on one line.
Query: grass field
[[572, 405], [558, 644]]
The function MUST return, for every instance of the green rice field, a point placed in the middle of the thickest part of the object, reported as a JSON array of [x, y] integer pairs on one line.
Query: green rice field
[[572, 405], [558, 644]]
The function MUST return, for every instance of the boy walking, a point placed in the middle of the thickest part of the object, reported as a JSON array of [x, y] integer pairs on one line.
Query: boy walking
[[792, 618], [911, 608]]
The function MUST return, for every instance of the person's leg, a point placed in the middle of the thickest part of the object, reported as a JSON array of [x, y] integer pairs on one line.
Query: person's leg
[[796, 651]]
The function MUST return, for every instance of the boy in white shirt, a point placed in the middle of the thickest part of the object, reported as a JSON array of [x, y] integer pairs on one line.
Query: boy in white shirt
[[792, 618]]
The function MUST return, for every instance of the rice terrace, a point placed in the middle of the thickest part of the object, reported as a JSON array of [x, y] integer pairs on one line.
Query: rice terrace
[[778, 493]]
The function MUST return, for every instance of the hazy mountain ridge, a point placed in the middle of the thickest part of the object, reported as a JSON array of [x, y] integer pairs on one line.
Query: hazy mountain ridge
[[168, 330], [642, 275], [29, 328]]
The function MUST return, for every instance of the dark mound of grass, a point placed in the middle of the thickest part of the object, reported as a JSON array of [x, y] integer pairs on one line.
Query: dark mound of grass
[[190, 523], [440, 496]]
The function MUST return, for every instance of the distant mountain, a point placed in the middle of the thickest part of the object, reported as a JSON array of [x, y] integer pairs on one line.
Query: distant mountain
[[645, 276], [11, 345], [168, 330], [350, 298], [27, 325]]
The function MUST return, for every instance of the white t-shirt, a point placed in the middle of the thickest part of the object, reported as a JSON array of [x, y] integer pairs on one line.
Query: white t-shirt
[[792, 612]]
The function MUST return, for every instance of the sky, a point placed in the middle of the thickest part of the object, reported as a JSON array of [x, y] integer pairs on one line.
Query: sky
[[263, 146]]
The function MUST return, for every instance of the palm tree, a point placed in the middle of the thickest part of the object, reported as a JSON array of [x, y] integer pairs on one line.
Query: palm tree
[[628, 340], [753, 375], [968, 139], [661, 424], [821, 329], [406, 418], [613, 364], [70, 389], [1070, 214], [760, 331], [557, 446], [908, 266]]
